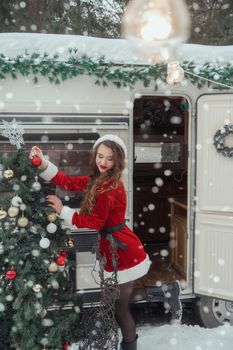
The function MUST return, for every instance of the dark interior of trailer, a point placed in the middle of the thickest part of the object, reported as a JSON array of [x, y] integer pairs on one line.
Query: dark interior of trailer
[[160, 185]]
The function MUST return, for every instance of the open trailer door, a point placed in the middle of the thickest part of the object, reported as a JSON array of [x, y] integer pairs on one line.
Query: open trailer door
[[213, 249]]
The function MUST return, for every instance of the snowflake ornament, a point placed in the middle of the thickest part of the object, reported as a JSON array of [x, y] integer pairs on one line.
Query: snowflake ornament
[[14, 132]]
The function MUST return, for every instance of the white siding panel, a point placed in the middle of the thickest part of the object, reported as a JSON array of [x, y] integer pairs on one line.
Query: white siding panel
[[214, 171], [214, 261]]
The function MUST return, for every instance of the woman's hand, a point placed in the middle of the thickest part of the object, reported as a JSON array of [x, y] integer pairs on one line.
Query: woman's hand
[[55, 203], [36, 151]]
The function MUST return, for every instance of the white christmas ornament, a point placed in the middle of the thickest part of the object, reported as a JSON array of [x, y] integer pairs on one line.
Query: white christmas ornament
[[44, 341], [35, 252], [22, 206], [51, 227], [44, 243], [16, 201], [55, 284], [2, 307], [14, 132], [47, 322], [36, 186], [23, 178], [9, 297]]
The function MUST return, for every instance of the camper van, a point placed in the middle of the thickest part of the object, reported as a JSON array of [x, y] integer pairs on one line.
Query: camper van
[[179, 168]]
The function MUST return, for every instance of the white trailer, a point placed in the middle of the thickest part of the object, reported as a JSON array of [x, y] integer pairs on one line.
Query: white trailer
[[178, 183]]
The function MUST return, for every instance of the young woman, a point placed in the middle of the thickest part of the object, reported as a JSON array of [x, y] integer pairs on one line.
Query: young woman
[[103, 209]]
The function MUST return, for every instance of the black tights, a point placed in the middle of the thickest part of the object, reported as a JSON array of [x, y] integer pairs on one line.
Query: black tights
[[123, 313]]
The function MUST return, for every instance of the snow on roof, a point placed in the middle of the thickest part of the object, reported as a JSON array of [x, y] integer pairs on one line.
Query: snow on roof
[[114, 50]]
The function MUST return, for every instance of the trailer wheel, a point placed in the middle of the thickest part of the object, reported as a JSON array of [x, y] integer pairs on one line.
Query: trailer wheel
[[215, 312]]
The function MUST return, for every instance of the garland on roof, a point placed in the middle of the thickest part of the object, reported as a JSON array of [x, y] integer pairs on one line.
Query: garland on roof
[[105, 72]]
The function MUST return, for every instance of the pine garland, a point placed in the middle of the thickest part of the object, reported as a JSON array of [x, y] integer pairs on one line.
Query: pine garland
[[106, 73]]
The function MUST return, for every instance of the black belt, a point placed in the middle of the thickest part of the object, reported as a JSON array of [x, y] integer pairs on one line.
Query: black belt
[[107, 233]]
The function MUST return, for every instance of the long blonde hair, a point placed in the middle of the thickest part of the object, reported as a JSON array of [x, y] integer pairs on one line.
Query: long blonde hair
[[99, 183]]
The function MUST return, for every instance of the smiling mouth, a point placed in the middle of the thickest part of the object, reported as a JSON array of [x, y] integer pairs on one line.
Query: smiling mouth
[[103, 167]]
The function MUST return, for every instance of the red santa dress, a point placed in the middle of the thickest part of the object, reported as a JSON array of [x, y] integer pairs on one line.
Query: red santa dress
[[108, 211]]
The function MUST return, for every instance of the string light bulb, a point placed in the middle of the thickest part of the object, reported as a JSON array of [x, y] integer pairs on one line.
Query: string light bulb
[[175, 73], [154, 28]]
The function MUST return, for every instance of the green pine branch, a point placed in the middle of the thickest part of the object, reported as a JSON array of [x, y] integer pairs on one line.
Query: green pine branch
[[104, 72]]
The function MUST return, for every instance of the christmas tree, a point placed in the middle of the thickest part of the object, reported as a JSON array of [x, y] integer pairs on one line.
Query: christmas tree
[[38, 305]]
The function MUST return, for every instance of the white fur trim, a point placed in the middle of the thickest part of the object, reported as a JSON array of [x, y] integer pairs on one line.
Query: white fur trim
[[133, 273], [67, 214], [113, 138], [49, 172]]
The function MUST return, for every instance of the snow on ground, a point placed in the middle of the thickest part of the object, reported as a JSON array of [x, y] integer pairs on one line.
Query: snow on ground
[[183, 337], [114, 50]]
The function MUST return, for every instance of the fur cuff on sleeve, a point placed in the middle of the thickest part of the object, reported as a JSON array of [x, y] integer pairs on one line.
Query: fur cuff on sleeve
[[67, 215], [50, 172]]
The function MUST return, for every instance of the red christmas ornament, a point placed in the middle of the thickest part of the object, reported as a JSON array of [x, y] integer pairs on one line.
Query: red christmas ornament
[[63, 253], [36, 161], [61, 261], [11, 274], [66, 346]]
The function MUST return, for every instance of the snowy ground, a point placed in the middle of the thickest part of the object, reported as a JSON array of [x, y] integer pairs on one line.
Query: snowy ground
[[183, 337], [155, 332]]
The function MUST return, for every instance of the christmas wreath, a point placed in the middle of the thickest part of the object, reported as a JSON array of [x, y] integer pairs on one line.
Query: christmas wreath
[[219, 140]]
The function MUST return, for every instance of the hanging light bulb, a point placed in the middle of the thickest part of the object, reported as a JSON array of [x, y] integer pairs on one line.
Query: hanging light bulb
[[175, 73], [154, 27]]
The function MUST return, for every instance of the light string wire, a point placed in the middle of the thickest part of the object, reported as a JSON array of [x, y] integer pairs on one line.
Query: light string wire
[[99, 324], [209, 80]]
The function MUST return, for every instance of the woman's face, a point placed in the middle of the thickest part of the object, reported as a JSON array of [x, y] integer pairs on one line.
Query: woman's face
[[104, 158]]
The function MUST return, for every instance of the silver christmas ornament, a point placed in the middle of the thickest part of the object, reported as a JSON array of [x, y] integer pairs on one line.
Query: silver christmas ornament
[[22, 207], [36, 228], [44, 243], [43, 313], [36, 186], [47, 322], [16, 201], [51, 227]]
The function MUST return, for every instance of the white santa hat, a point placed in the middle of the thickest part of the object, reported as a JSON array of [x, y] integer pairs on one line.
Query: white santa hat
[[113, 138]]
